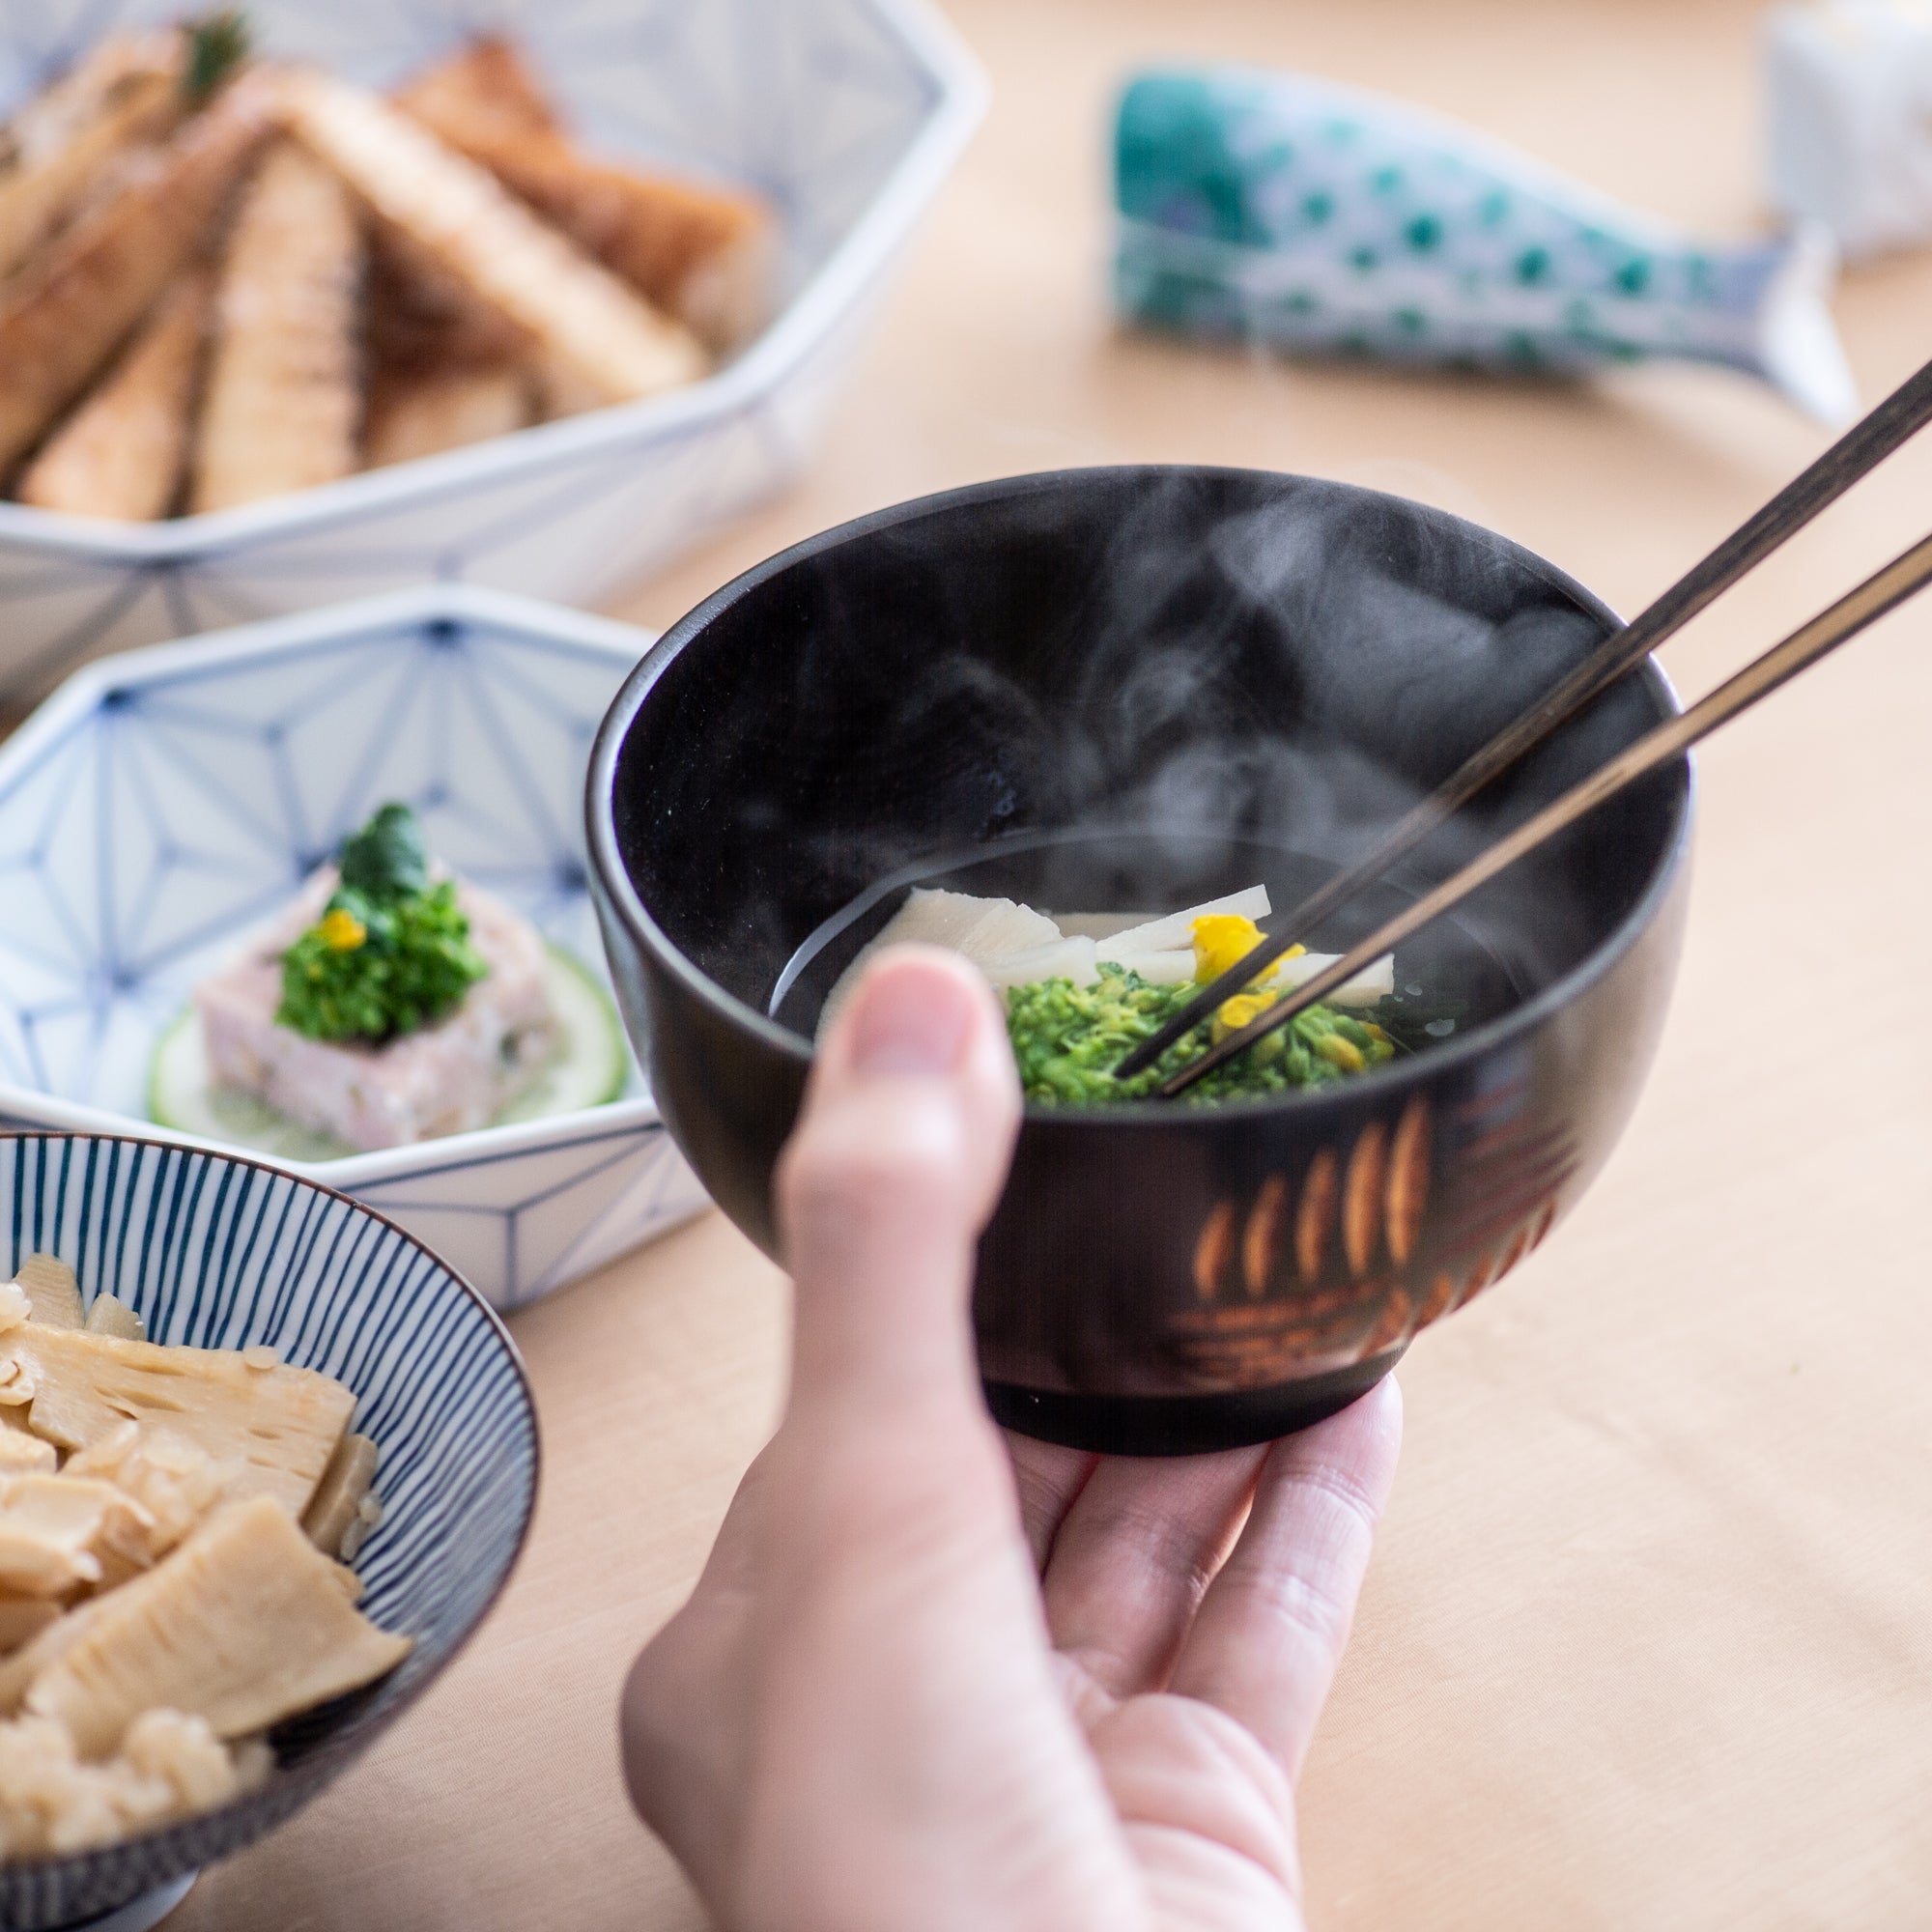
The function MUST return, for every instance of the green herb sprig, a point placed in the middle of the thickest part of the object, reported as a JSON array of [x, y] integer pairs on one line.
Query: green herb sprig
[[390, 954], [218, 45]]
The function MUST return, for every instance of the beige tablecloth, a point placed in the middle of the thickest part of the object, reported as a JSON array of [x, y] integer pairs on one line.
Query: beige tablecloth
[[1648, 1642]]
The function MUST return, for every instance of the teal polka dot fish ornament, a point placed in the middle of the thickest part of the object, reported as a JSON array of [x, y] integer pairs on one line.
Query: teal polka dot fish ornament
[[1278, 209]]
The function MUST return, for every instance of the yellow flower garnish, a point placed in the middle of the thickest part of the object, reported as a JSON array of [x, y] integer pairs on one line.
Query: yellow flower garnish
[[1220, 938], [1223, 938], [1234, 1014], [342, 932]]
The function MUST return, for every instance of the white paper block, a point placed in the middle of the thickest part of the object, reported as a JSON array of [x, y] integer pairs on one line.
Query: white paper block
[[1849, 120]]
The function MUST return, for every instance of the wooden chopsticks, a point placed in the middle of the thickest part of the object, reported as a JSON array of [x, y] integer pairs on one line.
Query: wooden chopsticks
[[1857, 453], [1879, 593]]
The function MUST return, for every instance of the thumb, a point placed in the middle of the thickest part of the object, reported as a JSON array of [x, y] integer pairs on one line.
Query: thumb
[[899, 1154]]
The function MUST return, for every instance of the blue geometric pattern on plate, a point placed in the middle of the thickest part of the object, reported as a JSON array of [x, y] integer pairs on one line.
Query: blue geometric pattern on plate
[[164, 805], [222, 1253], [846, 114]]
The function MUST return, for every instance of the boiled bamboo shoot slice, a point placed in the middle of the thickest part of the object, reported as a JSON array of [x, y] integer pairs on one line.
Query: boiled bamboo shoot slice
[[24, 1618], [244, 1625], [41, 1651], [111, 1316], [344, 1485], [53, 1292], [23, 1454], [276, 1427], [48, 1527], [176, 1483]]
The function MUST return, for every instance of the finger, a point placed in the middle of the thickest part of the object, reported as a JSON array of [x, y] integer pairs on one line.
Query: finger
[[1134, 1557], [682, 1729], [681, 1721], [1271, 1627], [900, 1151], [1046, 1479]]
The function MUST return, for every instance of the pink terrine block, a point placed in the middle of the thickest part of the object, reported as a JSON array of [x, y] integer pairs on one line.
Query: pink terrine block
[[448, 1079]]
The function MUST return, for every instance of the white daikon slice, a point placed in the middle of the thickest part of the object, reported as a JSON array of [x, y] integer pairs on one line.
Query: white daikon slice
[[1064, 959], [1374, 981], [982, 928], [1098, 925], [1157, 968], [1176, 928]]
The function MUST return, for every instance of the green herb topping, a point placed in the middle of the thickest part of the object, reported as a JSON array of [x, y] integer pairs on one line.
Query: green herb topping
[[1069, 1038], [392, 952], [217, 43]]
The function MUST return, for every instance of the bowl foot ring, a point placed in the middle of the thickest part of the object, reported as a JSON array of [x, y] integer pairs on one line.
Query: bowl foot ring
[[138, 1914], [1182, 1425]]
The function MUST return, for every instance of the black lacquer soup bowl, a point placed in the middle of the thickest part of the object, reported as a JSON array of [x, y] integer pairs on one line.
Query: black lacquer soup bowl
[[1132, 689]]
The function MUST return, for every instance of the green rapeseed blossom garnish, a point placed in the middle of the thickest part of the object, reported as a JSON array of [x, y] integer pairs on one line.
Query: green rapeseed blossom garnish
[[1069, 1038], [390, 952]]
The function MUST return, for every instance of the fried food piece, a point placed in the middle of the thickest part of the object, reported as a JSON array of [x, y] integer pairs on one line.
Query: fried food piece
[[244, 1625], [572, 308], [284, 400], [701, 253], [76, 302], [123, 451], [127, 90], [423, 415]]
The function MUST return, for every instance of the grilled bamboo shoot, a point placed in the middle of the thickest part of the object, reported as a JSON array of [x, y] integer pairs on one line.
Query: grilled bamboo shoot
[[122, 452], [283, 406], [126, 91], [426, 415], [572, 308], [702, 254], [76, 302]]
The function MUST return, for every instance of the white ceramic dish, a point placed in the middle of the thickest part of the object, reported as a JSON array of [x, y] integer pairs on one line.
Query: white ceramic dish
[[163, 802], [847, 114]]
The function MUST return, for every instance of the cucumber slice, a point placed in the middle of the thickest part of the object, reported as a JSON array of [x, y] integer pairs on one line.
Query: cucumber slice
[[592, 1067], [594, 1061]]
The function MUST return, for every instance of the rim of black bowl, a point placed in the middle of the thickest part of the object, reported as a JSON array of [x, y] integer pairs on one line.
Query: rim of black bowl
[[600, 787], [166, 1848]]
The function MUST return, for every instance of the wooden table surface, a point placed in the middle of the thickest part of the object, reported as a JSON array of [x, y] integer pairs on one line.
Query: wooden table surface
[[1648, 1640]]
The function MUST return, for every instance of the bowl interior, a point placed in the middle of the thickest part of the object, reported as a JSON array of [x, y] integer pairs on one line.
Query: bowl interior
[[160, 811], [1120, 690], [223, 1253]]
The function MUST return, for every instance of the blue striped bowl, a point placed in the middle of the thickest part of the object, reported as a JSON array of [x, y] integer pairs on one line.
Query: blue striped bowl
[[223, 1252]]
